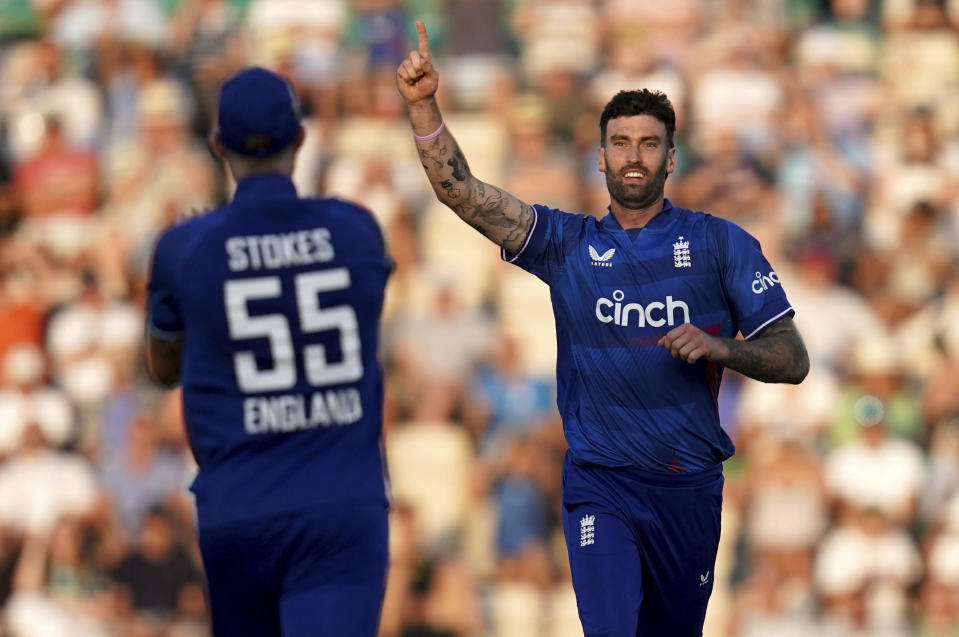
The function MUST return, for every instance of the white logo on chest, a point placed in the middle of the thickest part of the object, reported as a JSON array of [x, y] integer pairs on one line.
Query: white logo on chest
[[653, 314], [601, 260], [681, 256]]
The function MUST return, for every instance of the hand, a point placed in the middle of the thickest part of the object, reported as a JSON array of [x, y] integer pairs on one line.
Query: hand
[[416, 78], [690, 343]]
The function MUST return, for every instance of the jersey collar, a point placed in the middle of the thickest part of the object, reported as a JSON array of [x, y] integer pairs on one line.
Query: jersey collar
[[268, 186], [661, 220]]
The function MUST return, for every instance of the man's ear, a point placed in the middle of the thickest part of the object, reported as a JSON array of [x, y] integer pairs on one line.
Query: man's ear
[[300, 136], [216, 144], [602, 159], [671, 160]]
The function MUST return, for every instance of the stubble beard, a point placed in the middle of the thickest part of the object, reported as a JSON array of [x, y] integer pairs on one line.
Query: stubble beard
[[637, 198]]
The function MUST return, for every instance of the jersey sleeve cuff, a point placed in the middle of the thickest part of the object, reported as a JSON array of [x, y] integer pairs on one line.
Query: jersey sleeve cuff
[[533, 237], [788, 311]]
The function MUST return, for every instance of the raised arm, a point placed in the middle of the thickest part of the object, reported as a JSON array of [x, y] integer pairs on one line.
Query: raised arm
[[498, 215]]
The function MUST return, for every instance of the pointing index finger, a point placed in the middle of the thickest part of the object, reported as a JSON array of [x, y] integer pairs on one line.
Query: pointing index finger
[[424, 41]]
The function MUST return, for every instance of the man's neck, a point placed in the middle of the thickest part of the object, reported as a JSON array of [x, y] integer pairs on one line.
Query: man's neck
[[632, 218]]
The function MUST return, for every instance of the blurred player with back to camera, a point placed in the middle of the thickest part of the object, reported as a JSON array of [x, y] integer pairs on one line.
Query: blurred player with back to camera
[[648, 301], [267, 311]]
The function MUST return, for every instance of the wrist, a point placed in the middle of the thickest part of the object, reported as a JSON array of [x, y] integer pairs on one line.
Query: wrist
[[429, 136], [425, 117], [722, 350], [424, 110]]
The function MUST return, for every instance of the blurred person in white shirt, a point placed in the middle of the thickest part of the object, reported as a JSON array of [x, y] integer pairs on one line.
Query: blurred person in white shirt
[[26, 398], [919, 162], [863, 571], [786, 506], [35, 609], [836, 316], [876, 470], [35, 80], [39, 485], [939, 591]]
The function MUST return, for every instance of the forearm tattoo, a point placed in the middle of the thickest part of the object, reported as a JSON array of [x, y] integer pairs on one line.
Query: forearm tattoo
[[495, 213], [777, 355]]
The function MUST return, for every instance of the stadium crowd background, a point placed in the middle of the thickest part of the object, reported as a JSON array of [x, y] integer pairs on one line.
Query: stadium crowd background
[[829, 129]]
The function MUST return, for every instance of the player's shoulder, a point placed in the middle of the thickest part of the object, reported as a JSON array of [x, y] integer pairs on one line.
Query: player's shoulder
[[183, 235], [579, 220], [717, 228], [347, 212], [697, 218], [344, 206], [195, 226]]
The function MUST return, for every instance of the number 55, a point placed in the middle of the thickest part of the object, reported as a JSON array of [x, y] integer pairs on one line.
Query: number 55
[[275, 327]]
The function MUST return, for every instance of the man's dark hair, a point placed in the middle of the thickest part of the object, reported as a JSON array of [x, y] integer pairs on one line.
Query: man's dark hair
[[642, 102]]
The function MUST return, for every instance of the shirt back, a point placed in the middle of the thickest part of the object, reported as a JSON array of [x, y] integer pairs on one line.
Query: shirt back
[[277, 300]]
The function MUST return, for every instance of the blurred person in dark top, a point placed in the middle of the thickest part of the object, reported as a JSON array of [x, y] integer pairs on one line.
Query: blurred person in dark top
[[158, 572]]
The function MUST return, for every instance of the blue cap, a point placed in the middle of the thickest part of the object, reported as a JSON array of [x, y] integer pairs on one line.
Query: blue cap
[[258, 114]]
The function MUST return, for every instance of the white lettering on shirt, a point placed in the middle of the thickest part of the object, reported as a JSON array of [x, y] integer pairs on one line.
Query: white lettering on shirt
[[295, 412], [274, 251]]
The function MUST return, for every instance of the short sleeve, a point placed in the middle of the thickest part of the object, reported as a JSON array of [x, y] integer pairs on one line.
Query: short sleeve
[[756, 294], [164, 318], [544, 250]]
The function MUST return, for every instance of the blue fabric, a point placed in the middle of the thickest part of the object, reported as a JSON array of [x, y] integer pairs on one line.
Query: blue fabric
[[642, 548], [522, 515], [516, 405], [315, 574], [624, 401], [278, 300], [257, 113]]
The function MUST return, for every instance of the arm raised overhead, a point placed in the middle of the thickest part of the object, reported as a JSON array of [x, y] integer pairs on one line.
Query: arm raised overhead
[[498, 215]]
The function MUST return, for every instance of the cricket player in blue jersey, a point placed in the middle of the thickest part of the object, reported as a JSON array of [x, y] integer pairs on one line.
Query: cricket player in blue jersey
[[267, 311], [648, 302]]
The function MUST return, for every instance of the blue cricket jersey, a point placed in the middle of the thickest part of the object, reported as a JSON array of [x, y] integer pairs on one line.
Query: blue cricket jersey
[[624, 401], [277, 300]]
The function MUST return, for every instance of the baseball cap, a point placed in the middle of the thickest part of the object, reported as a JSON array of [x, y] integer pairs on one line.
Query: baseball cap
[[257, 115]]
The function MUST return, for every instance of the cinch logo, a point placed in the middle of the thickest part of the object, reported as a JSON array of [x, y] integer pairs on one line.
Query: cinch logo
[[654, 314], [763, 282], [601, 260]]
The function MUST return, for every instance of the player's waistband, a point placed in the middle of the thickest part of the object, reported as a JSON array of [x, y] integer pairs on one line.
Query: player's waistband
[[653, 478]]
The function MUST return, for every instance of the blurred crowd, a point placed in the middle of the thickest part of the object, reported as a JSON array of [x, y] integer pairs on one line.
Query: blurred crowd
[[827, 128]]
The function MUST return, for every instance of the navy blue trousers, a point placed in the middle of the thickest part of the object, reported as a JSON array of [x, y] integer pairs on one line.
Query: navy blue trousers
[[313, 574], [642, 548]]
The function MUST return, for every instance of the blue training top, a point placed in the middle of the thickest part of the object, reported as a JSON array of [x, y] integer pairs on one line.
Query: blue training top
[[277, 300], [624, 401]]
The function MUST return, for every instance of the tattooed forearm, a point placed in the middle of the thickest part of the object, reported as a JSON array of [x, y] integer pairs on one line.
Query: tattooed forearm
[[435, 152], [451, 190], [458, 163], [489, 208], [495, 213], [777, 355]]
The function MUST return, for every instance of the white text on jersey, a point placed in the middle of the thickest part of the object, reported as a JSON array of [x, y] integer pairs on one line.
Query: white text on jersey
[[290, 412], [763, 282], [653, 314], [272, 251]]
